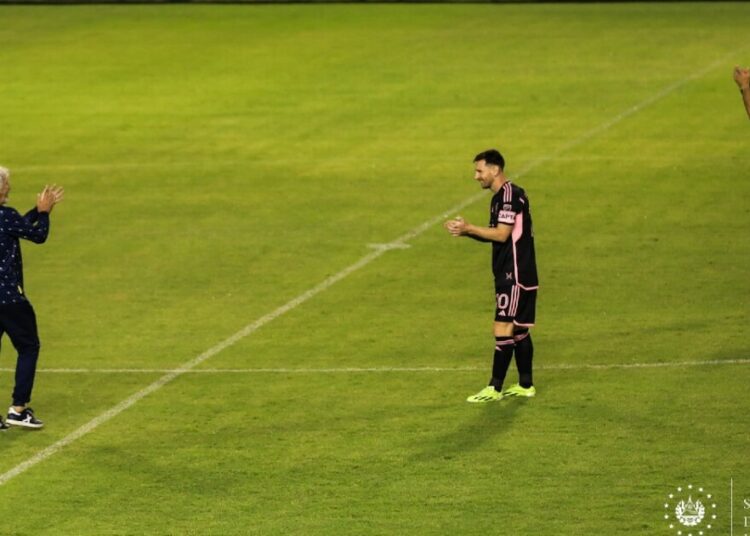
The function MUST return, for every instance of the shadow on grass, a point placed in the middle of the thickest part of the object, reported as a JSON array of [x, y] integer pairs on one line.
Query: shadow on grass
[[487, 421]]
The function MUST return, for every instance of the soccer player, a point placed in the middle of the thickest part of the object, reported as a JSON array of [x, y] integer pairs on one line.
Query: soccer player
[[17, 317], [742, 77], [514, 266]]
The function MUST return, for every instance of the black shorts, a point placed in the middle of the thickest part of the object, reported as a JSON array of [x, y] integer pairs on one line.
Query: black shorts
[[515, 304]]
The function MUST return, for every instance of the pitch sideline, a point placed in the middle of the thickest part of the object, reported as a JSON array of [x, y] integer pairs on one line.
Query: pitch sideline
[[345, 370]]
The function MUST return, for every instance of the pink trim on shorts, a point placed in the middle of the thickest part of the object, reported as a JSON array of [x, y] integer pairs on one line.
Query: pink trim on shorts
[[498, 344], [519, 338], [515, 296]]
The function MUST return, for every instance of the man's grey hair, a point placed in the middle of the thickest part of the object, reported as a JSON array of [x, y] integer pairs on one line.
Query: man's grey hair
[[4, 175]]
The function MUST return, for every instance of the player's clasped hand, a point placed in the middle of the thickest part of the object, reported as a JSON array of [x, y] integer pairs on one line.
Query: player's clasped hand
[[741, 76], [456, 226], [49, 197]]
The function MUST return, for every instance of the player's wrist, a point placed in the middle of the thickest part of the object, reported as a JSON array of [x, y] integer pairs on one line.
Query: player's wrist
[[744, 88]]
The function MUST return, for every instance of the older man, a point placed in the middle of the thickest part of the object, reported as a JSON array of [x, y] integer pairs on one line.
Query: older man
[[17, 317]]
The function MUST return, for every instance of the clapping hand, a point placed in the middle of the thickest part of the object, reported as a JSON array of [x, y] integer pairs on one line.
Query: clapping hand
[[742, 77], [456, 226], [49, 197]]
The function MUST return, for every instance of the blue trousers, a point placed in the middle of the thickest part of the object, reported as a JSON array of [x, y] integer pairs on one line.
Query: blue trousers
[[19, 322]]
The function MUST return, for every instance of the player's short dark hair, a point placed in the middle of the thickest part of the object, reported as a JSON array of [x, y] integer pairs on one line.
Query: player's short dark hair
[[491, 156]]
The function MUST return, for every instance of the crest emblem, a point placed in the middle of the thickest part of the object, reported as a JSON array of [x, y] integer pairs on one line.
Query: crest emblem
[[693, 515], [690, 513]]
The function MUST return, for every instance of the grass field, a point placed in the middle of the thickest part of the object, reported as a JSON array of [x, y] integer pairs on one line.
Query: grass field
[[222, 161]]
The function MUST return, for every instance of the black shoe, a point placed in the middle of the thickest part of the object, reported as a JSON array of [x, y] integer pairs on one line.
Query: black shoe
[[3, 426], [25, 418]]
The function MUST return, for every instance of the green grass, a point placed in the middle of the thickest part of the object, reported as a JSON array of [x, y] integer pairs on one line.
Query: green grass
[[221, 160]]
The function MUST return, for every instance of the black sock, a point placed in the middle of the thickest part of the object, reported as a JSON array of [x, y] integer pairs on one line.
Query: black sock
[[524, 356], [503, 356]]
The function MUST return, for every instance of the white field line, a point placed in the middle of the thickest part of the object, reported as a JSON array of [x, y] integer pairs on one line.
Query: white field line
[[327, 283], [347, 370]]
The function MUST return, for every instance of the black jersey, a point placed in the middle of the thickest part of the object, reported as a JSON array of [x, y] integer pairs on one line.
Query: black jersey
[[513, 261]]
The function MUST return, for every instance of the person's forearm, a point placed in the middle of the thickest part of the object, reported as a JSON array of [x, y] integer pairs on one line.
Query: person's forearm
[[745, 90], [35, 230], [486, 234], [478, 238], [40, 228], [32, 215]]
